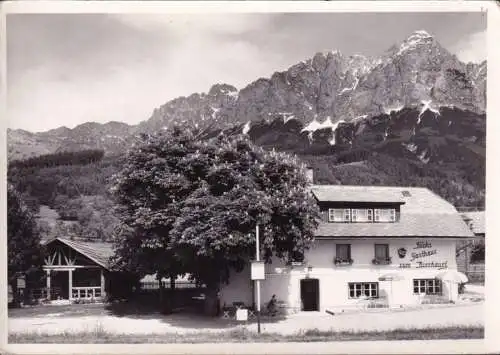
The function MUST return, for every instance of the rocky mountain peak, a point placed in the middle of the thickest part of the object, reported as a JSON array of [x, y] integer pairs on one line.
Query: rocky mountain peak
[[222, 89], [321, 91]]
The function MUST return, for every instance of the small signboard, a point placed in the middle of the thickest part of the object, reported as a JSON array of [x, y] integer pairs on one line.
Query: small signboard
[[257, 270], [241, 314], [21, 282]]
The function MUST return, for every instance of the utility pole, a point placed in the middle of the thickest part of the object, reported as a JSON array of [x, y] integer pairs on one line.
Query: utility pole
[[257, 258]]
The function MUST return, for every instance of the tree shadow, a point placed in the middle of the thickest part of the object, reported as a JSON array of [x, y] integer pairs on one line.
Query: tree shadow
[[186, 317]]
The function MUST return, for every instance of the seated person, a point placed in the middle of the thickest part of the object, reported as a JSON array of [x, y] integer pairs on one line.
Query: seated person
[[271, 306]]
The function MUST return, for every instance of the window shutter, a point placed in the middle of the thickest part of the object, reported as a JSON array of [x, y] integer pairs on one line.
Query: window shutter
[[370, 215]]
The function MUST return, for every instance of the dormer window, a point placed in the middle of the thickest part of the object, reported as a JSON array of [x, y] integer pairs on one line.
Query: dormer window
[[339, 215], [385, 215], [362, 215]]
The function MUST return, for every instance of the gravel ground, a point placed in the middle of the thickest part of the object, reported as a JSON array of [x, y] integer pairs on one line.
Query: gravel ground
[[436, 317], [458, 315]]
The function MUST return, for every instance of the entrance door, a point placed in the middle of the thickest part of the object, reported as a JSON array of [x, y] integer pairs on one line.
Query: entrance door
[[309, 294]]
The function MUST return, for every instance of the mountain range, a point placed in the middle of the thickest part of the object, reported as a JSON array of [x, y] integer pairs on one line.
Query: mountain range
[[318, 93], [417, 102]]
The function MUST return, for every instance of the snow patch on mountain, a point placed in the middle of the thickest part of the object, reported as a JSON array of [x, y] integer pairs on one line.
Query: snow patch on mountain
[[413, 41], [426, 105], [234, 94], [389, 110], [423, 157], [214, 112], [334, 131], [314, 125], [353, 87], [246, 128], [412, 147], [287, 116]]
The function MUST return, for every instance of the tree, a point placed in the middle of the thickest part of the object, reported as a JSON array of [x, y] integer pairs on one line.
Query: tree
[[24, 249], [477, 255], [191, 206], [146, 191]]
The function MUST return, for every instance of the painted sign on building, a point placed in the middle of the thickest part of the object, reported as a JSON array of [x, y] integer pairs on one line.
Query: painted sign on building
[[419, 255]]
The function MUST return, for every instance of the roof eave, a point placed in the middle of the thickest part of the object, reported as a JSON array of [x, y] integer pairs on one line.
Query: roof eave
[[393, 236], [355, 201], [81, 252]]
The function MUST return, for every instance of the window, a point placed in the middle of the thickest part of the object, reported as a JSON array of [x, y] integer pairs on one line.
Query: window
[[427, 286], [362, 215], [385, 215], [382, 251], [363, 289], [370, 215], [343, 252], [339, 215], [347, 215]]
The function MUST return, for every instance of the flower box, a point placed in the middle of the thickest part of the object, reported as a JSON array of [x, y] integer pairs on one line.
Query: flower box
[[340, 262], [380, 261]]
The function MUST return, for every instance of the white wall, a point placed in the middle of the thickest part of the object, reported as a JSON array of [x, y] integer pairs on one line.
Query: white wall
[[333, 280], [239, 289]]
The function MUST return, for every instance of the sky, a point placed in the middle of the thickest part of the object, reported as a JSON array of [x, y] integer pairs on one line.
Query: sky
[[67, 69]]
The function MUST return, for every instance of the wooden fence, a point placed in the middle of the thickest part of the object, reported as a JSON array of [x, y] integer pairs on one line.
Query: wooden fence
[[475, 272]]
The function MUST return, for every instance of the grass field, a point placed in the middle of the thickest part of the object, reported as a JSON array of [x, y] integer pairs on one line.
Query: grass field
[[99, 336]]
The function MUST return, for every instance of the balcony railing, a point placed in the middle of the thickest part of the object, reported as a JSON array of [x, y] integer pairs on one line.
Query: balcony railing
[[91, 292], [382, 261]]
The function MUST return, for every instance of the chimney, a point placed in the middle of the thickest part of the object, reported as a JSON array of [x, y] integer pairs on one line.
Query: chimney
[[310, 175]]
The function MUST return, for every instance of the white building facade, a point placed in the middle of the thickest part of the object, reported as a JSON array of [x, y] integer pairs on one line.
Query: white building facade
[[375, 246]]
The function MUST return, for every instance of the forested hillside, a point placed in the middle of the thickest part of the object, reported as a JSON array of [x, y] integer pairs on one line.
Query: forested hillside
[[75, 185]]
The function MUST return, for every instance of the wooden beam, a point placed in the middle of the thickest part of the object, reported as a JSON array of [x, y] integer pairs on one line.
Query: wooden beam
[[62, 267], [48, 283], [70, 283], [103, 284]]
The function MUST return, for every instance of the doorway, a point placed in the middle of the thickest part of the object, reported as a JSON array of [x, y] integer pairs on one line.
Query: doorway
[[309, 294], [60, 285]]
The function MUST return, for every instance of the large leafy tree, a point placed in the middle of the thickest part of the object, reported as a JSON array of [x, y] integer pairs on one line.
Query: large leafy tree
[[147, 191], [24, 250], [191, 205]]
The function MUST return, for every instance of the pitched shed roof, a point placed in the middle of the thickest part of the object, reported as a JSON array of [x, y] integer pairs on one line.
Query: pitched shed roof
[[98, 252], [476, 221]]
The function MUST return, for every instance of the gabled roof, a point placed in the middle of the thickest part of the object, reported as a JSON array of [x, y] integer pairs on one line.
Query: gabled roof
[[99, 252], [342, 193], [476, 221], [423, 213], [446, 225], [413, 199]]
